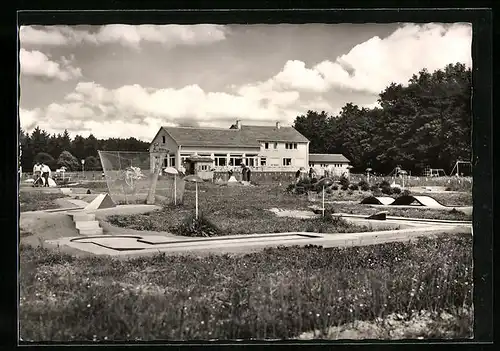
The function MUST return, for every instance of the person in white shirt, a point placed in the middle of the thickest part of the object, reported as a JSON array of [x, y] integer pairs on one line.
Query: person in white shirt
[[45, 174], [37, 173]]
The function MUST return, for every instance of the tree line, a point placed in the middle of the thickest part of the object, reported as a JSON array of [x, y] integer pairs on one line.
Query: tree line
[[426, 123], [62, 150]]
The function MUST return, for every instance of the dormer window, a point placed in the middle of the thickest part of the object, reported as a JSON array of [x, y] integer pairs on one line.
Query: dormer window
[[164, 139], [266, 145]]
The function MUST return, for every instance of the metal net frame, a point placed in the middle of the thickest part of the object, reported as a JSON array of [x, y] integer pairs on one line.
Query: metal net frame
[[129, 178]]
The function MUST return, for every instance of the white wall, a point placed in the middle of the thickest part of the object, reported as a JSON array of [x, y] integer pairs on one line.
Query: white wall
[[169, 144], [274, 156]]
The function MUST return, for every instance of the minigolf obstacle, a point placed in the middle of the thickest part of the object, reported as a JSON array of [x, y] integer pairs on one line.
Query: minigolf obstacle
[[136, 177], [377, 200], [405, 200], [100, 202]]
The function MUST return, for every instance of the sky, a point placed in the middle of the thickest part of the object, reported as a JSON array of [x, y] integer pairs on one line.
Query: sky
[[120, 81]]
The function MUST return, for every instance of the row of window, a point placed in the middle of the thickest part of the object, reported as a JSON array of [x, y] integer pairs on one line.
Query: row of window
[[288, 146], [326, 165], [234, 160]]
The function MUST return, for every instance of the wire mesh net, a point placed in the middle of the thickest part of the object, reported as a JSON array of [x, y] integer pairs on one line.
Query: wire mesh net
[[129, 177]]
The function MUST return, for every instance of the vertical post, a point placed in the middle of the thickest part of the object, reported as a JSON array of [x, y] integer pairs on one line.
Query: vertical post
[[323, 209], [458, 173], [175, 189], [196, 187]]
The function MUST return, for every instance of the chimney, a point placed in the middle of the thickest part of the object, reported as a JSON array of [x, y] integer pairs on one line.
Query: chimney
[[238, 124], [278, 125]]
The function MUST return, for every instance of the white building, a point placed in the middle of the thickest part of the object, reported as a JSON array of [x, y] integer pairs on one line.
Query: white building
[[334, 164], [260, 147]]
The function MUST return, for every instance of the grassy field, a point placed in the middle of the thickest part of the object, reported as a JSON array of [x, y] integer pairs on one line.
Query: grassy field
[[230, 210], [37, 201], [278, 293]]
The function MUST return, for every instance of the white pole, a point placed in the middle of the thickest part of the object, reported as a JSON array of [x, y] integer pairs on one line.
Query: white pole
[[323, 209], [175, 189], [196, 185]]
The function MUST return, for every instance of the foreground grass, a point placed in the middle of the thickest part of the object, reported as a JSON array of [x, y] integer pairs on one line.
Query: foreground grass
[[38, 201], [277, 293]]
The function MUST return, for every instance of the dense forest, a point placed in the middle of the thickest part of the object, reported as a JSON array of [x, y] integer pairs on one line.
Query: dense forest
[[60, 150], [425, 123]]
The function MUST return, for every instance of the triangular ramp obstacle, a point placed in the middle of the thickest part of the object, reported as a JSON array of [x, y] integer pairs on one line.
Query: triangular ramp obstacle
[[426, 201], [378, 200], [100, 202]]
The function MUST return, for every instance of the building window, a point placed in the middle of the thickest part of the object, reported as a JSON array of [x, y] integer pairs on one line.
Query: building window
[[251, 160], [263, 161], [295, 146], [235, 160], [163, 139], [290, 146], [275, 145], [266, 145], [220, 160], [172, 161], [165, 162], [287, 162]]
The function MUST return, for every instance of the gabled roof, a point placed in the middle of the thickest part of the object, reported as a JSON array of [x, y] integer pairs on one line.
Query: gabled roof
[[247, 136], [332, 158]]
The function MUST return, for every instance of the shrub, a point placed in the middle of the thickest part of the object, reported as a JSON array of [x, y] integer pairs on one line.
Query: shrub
[[406, 192], [363, 185], [344, 181], [197, 227], [447, 188], [374, 188], [384, 184], [344, 186], [290, 188], [396, 190], [386, 190], [353, 187], [329, 190], [335, 187]]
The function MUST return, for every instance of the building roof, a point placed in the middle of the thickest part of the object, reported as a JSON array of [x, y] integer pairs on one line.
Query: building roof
[[247, 136], [328, 158]]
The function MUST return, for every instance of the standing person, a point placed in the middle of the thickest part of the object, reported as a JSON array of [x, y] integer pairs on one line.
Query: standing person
[[243, 172], [297, 176], [37, 172], [248, 173], [45, 174]]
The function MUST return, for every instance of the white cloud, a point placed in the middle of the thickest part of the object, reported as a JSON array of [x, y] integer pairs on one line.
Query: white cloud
[[36, 63], [374, 64], [127, 35], [137, 111]]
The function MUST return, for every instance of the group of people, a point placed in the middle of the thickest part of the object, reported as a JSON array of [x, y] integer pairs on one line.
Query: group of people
[[41, 174], [312, 173]]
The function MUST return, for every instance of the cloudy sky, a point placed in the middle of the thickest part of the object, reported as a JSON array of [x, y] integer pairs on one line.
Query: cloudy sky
[[122, 81]]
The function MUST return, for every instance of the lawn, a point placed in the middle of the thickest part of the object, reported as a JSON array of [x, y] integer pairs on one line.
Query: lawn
[[38, 201], [229, 210], [278, 293]]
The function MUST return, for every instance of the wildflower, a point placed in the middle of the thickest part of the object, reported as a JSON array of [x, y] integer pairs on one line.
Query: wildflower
[[88, 306], [350, 310], [361, 305], [202, 322], [317, 314]]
